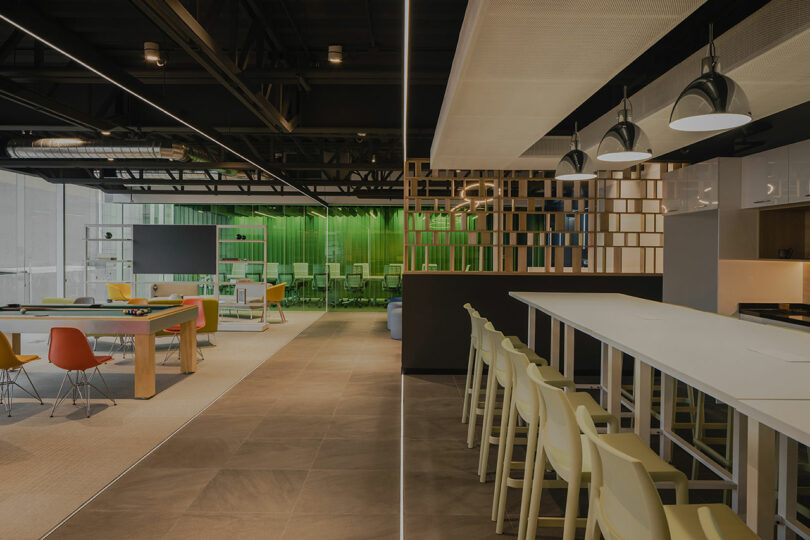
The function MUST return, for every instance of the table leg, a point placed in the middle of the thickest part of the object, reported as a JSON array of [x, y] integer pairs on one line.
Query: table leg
[[604, 351], [642, 398], [554, 347], [16, 343], [568, 352], [530, 333], [668, 391], [614, 382], [144, 365], [786, 498], [739, 461], [188, 347], [761, 478]]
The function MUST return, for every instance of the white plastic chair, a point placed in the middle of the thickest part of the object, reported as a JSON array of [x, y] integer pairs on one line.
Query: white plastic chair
[[626, 504]]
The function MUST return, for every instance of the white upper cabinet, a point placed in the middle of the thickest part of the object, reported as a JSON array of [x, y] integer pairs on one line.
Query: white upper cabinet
[[799, 172], [701, 186], [691, 189], [765, 178], [674, 191]]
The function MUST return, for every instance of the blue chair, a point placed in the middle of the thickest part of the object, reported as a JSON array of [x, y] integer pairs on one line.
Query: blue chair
[[391, 307], [396, 323]]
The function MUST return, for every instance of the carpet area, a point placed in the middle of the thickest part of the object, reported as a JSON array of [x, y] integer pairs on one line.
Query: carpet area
[[51, 466]]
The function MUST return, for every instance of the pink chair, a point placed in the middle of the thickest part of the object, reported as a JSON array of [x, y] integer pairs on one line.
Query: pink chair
[[175, 330], [70, 351]]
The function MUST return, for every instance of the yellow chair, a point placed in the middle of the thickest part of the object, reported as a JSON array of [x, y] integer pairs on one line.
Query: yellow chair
[[626, 504], [11, 365], [275, 295], [119, 292], [568, 453]]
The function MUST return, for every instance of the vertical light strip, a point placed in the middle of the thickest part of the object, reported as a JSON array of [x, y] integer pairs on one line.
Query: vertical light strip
[[405, 61], [406, 44], [154, 105], [402, 457]]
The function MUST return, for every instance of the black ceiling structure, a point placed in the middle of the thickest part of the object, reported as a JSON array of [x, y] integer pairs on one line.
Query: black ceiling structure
[[245, 83]]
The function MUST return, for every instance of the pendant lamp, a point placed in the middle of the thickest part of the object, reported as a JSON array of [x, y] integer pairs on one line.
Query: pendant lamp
[[712, 101], [575, 165], [625, 141]]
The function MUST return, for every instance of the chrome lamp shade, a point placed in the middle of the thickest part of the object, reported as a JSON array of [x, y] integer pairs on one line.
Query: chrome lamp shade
[[710, 102], [575, 165], [625, 141]]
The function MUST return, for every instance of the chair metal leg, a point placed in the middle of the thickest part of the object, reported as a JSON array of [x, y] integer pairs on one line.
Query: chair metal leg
[[169, 352], [87, 389], [108, 393], [59, 393]]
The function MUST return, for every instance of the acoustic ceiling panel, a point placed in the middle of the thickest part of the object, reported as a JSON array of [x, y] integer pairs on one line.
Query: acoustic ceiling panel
[[521, 66]]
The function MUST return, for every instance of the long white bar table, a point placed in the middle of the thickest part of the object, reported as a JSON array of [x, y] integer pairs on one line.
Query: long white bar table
[[759, 370]]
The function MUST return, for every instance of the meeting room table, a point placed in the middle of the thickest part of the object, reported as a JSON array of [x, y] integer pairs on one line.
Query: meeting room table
[[111, 320], [760, 371]]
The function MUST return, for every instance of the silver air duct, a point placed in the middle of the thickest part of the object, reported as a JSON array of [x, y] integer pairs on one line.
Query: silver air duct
[[75, 148]]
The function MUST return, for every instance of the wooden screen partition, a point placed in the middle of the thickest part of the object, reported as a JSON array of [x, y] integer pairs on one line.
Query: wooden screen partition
[[526, 221]]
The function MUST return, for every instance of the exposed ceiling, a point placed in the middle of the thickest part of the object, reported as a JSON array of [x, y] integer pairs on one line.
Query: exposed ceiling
[[522, 66], [251, 75]]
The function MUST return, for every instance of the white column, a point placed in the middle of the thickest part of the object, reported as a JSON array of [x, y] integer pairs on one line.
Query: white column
[[60, 241]]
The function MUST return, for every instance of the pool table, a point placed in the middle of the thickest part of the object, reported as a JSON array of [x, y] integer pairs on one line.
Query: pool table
[[109, 319]]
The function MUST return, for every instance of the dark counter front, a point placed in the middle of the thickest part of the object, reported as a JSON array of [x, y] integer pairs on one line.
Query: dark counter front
[[436, 329]]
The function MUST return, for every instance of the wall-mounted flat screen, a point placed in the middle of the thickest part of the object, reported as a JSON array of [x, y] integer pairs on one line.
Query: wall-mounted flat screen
[[174, 249]]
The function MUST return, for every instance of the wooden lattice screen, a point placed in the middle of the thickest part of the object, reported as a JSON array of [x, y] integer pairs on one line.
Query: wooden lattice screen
[[526, 221]]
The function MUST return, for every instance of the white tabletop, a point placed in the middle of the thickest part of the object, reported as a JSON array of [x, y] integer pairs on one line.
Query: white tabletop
[[725, 357], [788, 416]]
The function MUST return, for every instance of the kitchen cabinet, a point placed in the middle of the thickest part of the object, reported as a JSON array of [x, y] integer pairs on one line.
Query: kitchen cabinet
[[691, 189], [799, 172], [765, 178]]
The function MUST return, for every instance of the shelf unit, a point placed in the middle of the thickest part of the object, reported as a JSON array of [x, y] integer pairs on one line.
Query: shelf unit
[[122, 263], [525, 221], [253, 247]]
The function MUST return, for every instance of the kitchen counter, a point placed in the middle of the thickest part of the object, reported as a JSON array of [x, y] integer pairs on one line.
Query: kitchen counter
[[787, 314]]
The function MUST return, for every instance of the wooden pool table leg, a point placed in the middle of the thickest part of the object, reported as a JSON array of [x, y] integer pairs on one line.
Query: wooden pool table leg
[[16, 344], [188, 347], [144, 365]]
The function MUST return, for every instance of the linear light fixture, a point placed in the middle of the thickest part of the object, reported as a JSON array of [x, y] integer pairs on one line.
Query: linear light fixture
[[625, 141], [575, 165], [156, 106], [712, 101]]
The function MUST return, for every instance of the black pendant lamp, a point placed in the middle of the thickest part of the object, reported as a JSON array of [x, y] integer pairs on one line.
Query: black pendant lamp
[[625, 141], [575, 165], [712, 101]]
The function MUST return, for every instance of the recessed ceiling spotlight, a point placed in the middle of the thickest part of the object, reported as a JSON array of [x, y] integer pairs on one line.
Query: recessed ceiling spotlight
[[625, 141], [712, 101], [361, 133], [151, 53], [106, 132], [575, 165], [374, 158], [335, 54], [110, 159]]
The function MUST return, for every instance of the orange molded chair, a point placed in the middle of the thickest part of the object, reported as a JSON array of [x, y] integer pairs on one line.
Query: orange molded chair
[[175, 330], [11, 365], [119, 292], [70, 351], [275, 295]]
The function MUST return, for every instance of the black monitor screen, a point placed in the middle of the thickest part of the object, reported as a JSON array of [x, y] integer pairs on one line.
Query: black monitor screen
[[174, 249]]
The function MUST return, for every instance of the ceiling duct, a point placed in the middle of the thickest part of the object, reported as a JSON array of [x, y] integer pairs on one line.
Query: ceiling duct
[[75, 148]]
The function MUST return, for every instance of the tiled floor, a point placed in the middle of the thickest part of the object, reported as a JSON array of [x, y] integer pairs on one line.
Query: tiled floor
[[308, 446]]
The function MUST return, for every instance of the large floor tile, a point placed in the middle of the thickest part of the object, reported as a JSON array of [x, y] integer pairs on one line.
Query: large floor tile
[[133, 525], [244, 526], [350, 492], [193, 452], [358, 454], [155, 489], [272, 492], [378, 427], [369, 405], [285, 453], [343, 527], [292, 426]]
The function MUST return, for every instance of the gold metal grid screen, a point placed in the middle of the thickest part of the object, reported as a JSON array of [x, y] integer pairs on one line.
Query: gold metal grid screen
[[526, 221]]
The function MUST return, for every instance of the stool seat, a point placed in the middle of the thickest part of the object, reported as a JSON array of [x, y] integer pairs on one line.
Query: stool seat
[[685, 521], [599, 415]]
